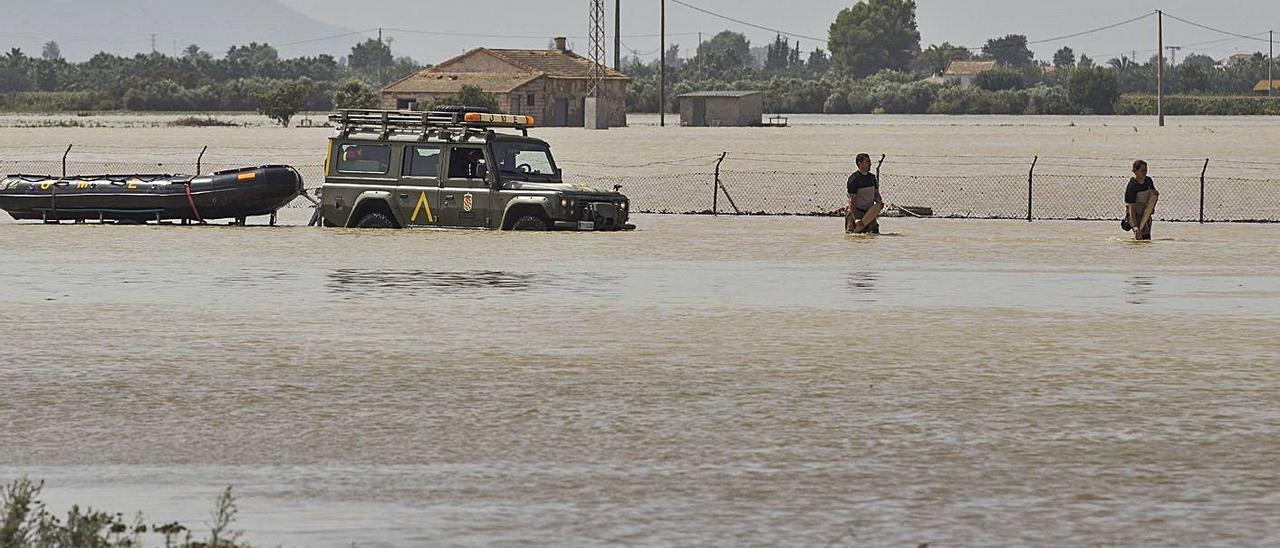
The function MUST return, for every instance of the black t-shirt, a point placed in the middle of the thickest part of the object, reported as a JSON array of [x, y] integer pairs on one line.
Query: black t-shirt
[[1131, 191], [858, 180]]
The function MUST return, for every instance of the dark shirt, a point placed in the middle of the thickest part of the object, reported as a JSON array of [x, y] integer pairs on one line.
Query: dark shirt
[[1131, 191], [858, 180]]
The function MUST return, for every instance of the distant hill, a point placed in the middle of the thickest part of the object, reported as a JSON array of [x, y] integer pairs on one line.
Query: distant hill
[[84, 27]]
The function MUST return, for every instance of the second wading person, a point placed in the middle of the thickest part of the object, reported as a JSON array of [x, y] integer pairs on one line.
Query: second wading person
[[865, 203], [1140, 199]]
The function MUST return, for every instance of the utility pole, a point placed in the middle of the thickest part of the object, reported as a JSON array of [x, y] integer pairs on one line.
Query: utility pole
[[379, 56], [1271, 58], [662, 69], [1160, 69], [1173, 55], [153, 42], [617, 35]]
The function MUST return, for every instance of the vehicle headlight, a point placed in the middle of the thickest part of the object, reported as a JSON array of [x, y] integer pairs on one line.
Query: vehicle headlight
[[623, 205], [564, 202]]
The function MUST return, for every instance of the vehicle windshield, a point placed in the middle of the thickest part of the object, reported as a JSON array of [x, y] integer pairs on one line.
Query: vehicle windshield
[[520, 158]]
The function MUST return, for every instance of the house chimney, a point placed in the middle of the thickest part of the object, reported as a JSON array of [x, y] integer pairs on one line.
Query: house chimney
[[562, 44]]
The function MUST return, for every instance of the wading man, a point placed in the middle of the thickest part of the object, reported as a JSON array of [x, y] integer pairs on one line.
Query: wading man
[[865, 203], [1140, 199]]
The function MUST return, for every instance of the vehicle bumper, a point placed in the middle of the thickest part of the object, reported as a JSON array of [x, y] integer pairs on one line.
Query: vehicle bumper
[[586, 226]]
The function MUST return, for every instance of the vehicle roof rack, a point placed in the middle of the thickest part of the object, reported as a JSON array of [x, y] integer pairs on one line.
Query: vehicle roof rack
[[424, 123]]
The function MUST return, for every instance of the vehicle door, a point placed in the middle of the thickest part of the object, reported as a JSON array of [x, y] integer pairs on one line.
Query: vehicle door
[[355, 168], [465, 193], [419, 194]]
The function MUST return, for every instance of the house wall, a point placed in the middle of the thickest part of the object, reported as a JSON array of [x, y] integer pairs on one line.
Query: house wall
[[547, 90]]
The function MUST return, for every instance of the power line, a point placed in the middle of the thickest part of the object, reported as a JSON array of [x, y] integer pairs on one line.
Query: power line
[[1217, 30], [323, 38], [1065, 36], [747, 23]]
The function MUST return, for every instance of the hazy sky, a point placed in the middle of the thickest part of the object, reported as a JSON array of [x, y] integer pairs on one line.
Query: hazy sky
[[960, 22]]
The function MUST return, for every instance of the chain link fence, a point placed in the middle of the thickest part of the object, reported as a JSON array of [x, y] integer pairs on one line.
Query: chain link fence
[[985, 188]]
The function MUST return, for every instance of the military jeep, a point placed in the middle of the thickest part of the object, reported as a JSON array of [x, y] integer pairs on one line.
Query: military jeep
[[460, 167]]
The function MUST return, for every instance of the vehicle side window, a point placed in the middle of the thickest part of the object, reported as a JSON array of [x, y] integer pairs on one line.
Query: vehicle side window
[[422, 162], [463, 162], [364, 159]]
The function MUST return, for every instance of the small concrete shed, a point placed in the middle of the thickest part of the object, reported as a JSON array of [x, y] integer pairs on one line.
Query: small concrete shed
[[721, 108]]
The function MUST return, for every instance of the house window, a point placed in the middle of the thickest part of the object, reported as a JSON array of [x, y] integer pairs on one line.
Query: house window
[[528, 100]]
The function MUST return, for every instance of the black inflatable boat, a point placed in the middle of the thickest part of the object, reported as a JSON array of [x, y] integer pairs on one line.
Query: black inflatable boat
[[232, 194]]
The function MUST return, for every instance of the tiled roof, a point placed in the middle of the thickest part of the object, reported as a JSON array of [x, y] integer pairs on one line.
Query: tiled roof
[[554, 63], [427, 81], [1262, 86], [526, 65], [969, 68]]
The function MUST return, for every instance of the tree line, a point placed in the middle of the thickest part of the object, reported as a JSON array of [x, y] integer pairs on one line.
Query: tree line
[[248, 77], [876, 64]]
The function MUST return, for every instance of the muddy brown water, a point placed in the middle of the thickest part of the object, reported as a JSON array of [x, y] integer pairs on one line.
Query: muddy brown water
[[722, 381]]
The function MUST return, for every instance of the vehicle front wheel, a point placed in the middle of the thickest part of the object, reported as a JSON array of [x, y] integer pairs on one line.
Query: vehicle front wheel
[[530, 222], [376, 220]]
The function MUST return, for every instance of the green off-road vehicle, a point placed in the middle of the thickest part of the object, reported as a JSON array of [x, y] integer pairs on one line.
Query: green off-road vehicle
[[455, 167]]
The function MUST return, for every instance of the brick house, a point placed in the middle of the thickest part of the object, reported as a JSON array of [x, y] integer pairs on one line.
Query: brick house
[[549, 85]]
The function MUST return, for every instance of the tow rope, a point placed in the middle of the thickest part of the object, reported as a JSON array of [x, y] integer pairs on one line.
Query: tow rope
[[192, 201]]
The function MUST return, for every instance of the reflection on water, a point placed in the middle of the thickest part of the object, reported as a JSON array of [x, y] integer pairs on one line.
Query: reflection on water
[[473, 283], [1140, 288], [863, 286]]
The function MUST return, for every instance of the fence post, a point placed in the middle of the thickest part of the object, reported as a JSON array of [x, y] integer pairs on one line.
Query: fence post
[[715, 187], [1202, 172], [200, 160], [1030, 182], [64, 161]]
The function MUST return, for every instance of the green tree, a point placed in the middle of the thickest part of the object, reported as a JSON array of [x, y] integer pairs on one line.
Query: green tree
[[1200, 60], [1064, 57], [1010, 50], [819, 63], [354, 94], [873, 35], [935, 59], [370, 55], [284, 101], [51, 51], [1094, 90], [1085, 62], [725, 54]]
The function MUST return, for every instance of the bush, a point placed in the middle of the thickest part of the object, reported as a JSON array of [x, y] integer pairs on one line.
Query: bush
[[837, 102], [355, 94], [1049, 100], [999, 79], [1186, 105]]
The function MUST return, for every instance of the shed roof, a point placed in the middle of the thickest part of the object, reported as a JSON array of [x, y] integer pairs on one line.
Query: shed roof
[[729, 94], [1262, 86]]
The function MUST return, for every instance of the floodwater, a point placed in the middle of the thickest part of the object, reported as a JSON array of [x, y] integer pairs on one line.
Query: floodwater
[[720, 381]]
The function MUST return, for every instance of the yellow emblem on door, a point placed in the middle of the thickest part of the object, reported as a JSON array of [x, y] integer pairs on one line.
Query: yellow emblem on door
[[423, 205]]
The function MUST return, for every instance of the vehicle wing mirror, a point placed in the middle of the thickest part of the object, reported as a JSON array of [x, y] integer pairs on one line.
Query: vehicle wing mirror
[[559, 173], [482, 171]]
